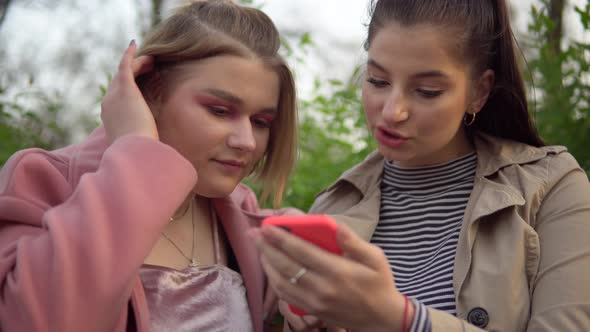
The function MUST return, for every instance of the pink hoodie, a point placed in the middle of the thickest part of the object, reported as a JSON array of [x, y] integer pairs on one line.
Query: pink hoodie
[[77, 223]]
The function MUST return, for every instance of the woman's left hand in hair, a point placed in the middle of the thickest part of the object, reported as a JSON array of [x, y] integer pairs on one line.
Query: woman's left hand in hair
[[355, 291], [124, 109]]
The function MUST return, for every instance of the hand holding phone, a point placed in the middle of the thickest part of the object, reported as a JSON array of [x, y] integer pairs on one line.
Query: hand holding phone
[[320, 230]]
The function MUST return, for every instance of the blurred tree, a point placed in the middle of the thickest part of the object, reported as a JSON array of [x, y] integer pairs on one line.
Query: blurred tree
[[156, 12], [150, 13], [560, 79], [333, 138], [554, 36], [22, 125], [4, 4], [46, 100]]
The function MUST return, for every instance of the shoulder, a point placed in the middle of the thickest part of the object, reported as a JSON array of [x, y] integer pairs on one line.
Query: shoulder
[[560, 164], [362, 176], [498, 155], [39, 179], [28, 168], [548, 163], [542, 177], [32, 181], [352, 186]]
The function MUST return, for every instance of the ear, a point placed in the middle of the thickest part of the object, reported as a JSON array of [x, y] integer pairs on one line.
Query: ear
[[483, 88], [152, 90]]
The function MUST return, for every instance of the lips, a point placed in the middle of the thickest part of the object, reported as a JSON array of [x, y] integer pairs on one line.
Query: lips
[[392, 133], [390, 138], [236, 163], [231, 165]]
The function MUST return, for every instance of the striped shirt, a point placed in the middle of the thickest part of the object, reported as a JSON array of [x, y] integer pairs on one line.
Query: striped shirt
[[420, 219]]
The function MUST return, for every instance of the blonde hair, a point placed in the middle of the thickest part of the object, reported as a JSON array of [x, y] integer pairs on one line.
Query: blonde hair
[[204, 29]]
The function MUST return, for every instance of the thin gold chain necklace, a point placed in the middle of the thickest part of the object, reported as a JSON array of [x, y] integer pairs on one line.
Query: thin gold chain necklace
[[192, 261], [183, 213]]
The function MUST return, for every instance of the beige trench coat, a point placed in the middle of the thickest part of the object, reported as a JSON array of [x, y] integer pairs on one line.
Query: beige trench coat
[[523, 257]]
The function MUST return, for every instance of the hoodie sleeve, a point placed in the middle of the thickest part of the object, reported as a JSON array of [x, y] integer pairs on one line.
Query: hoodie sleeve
[[69, 256]]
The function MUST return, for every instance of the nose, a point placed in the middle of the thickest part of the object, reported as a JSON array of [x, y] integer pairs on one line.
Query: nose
[[395, 108], [242, 137]]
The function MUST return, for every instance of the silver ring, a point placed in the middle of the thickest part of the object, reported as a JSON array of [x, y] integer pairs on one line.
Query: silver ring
[[293, 280]]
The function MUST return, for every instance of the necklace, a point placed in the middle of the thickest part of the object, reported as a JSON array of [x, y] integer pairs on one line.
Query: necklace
[[192, 261], [183, 214]]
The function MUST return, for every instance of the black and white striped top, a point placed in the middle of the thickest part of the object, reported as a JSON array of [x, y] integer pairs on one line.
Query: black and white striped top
[[420, 219]]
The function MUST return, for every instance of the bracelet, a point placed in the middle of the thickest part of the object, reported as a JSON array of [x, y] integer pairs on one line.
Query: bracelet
[[406, 310]]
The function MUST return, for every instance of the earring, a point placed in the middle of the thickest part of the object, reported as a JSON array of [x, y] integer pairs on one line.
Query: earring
[[467, 120]]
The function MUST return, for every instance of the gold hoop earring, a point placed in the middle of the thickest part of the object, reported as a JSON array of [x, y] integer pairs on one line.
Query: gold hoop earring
[[467, 120]]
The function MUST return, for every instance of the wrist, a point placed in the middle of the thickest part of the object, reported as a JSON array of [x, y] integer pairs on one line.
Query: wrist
[[397, 315]]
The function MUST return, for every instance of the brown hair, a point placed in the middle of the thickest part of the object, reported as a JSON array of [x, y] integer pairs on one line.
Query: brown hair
[[204, 29], [485, 41]]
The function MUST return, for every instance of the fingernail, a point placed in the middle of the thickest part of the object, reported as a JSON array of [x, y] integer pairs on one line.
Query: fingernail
[[132, 42]]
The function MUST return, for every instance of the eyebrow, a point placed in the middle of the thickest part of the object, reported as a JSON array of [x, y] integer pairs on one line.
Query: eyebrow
[[233, 99], [431, 74], [225, 96], [426, 74], [373, 63]]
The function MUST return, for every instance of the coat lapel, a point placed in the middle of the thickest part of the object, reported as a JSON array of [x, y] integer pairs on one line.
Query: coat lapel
[[236, 225], [487, 198]]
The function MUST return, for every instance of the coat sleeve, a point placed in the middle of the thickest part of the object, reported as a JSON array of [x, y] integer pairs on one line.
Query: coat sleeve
[[73, 268], [442, 322], [561, 289]]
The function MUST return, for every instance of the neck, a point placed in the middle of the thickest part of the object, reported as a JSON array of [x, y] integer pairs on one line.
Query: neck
[[202, 205], [182, 210]]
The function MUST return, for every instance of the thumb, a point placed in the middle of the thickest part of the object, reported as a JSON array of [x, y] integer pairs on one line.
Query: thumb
[[359, 250], [270, 303]]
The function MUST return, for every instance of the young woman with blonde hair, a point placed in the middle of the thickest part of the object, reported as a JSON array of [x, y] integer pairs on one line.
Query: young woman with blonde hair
[[143, 225]]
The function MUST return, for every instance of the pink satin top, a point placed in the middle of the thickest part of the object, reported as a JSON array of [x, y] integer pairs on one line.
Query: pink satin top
[[211, 298], [201, 298]]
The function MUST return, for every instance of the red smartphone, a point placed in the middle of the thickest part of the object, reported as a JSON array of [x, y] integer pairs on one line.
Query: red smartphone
[[318, 229]]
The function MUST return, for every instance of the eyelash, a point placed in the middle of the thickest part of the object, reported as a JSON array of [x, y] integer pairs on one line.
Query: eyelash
[[218, 111], [429, 93], [261, 123], [221, 112], [377, 83], [423, 92]]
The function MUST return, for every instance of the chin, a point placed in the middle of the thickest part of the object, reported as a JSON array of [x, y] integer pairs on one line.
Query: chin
[[218, 190], [390, 154], [400, 158]]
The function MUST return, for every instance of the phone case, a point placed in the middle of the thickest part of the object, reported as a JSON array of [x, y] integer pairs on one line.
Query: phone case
[[320, 230]]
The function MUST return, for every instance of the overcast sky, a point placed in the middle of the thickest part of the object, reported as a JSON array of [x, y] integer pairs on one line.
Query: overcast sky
[[37, 38]]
